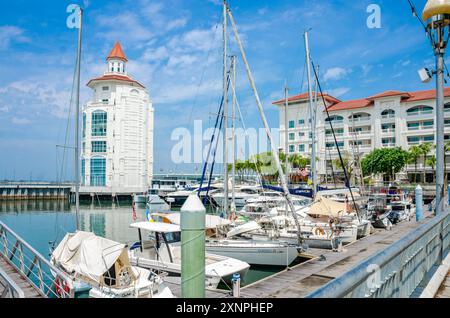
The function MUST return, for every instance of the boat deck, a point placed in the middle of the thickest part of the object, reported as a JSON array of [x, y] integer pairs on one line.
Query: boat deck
[[324, 266]]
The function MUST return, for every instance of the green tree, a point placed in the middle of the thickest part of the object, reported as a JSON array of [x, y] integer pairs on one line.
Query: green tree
[[387, 161], [426, 149], [431, 161], [349, 164], [414, 155]]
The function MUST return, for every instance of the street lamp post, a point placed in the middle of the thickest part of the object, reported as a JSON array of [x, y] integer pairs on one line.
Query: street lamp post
[[437, 16]]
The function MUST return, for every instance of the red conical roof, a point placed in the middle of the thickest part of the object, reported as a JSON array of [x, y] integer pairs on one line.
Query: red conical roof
[[117, 53]]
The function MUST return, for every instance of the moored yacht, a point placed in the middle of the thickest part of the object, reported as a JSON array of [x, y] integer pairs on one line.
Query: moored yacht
[[161, 251], [102, 268]]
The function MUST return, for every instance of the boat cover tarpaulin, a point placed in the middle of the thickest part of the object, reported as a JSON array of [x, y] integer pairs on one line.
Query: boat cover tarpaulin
[[87, 254], [326, 207]]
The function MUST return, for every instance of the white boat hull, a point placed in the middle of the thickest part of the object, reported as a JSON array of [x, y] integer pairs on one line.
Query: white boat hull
[[255, 254]]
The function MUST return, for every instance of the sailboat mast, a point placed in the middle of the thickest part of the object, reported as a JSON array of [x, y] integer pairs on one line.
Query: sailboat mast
[[275, 156], [225, 109], [312, 117], [286, 136], [314, 141], [233, 142], [77, 122]]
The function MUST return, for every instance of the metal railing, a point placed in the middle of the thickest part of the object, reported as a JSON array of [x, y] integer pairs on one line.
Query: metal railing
[[9, 287], [47, 280], [398, 270]]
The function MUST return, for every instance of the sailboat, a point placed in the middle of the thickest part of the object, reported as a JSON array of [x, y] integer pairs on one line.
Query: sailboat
[[223, 239], [95, 264]]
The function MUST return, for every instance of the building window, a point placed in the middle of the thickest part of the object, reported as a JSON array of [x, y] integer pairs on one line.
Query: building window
[[301, 134], [83, 171], [331, 145], [301, 148], [291, 136], [292, 124], [105, 101], [99, 146], [291, 148], [388, 113], [335, 119], [387, 128], [99, 123], [84, 125], [301, 122], [339, 131], [420, 110], [360, 117], [98, 172], [105, 88]]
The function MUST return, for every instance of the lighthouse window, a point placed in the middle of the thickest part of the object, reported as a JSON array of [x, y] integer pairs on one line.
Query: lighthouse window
[[99, 123], [98, 172], [99, 146]]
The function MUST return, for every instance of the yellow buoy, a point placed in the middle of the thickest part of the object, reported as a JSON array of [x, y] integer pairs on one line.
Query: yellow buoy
[[436, 7]]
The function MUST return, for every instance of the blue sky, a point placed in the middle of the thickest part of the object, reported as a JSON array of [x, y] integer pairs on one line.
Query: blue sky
[[174, 48]]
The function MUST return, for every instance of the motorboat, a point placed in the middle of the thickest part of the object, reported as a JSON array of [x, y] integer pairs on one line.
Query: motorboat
[[253, 251], [226, 238], [102, 267], [378, 211], [160, 250], [242, 195], [401, 211], [153, 198]]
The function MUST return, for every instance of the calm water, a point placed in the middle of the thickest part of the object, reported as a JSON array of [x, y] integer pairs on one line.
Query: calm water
[[42, 222]]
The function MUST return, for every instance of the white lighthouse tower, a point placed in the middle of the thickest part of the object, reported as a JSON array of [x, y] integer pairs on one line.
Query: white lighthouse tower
[[117, 149]]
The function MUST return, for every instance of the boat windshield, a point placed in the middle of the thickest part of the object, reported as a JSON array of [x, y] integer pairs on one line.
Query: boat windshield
[[174, 237]]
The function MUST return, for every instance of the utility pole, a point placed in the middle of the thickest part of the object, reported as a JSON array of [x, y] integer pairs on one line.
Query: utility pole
[[286, 135]]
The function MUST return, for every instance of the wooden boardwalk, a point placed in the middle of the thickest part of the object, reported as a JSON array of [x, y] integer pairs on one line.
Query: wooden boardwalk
[[307, 277], [444, 290], [27, 288]]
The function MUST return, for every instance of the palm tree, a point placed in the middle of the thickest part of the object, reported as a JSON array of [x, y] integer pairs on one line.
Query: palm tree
[[415, 152], [432, 163], [426, 148], [446, 150], [348, 164]]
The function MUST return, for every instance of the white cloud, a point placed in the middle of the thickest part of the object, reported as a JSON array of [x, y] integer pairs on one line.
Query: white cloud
[[336, 73], [20, 121], [337, 92], [9, 34]]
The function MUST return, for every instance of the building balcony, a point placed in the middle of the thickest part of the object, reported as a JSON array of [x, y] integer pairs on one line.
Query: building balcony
[[421, 128], [389, 145], [360, 120], [385, 118], [388, 131], [428, 113]]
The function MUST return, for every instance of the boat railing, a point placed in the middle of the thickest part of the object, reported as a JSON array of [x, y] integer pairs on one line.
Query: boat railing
[[49, 281], [398, 270], [10, 288]]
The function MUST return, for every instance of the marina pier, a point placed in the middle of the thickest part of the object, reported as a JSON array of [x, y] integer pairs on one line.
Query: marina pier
[[34, 191], [411, 260]]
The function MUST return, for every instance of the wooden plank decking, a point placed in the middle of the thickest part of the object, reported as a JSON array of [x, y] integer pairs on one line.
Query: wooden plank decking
[[307, 277], [28, 289], [444, 290]]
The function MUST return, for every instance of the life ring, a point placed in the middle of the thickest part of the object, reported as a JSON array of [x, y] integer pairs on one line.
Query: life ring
[[319, 231], [65, 287]]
